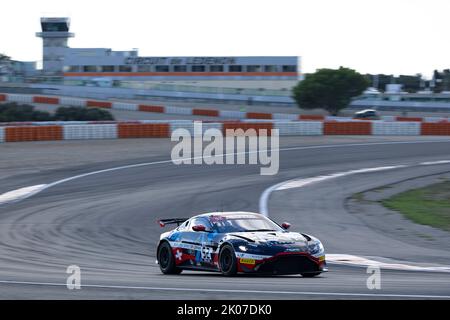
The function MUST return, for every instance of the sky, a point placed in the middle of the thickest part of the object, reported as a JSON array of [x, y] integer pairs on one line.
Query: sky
[[380, 36]]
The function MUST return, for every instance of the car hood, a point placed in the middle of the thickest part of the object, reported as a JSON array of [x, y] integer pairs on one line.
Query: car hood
[[272, 238]]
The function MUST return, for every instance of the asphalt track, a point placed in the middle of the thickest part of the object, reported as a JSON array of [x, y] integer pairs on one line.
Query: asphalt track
[[106, 224]]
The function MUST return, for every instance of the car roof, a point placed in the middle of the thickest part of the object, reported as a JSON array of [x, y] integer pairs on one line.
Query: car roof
[[228, 213]]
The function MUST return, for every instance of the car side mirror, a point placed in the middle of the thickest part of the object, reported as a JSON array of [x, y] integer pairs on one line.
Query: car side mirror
[[199, 228], [286, 225]]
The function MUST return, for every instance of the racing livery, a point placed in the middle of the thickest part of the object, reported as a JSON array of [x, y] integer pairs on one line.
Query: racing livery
[[232, 242]]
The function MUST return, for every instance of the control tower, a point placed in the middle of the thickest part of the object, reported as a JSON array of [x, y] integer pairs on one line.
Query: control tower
[[55, 35]]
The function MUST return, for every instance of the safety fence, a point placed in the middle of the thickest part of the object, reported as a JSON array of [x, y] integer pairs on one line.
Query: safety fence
[[163, 129], [232, 114]]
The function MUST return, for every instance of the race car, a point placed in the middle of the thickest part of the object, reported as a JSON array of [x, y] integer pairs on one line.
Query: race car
[[238, 242]]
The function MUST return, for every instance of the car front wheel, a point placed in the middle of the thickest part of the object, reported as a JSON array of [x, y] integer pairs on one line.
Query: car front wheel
[[227, 261]]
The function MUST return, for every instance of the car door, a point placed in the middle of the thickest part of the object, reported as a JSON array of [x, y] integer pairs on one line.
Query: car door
[[182, 246], [202, 242]]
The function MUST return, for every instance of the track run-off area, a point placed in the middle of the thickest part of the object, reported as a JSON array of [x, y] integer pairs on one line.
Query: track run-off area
[[95, 205]]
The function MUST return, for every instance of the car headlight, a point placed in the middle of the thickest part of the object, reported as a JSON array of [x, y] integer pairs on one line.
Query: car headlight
[[316, 248], [243, 248]]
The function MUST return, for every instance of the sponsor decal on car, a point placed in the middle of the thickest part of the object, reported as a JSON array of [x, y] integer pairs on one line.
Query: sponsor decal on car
[[247, 261], [293, 250], [251, 256]]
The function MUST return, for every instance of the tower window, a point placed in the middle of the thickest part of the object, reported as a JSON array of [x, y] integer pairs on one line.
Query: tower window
[[235, 68], [107, 68], [216, 68], [199, 68], [270, 68], [253, 68], [54, 27], [125, 69], [290, 68], [162, 68], [90, 68], [179, 68]]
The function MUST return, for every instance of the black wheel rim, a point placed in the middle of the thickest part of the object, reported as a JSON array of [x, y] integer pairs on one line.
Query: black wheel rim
[[164, 257], [226, 260]]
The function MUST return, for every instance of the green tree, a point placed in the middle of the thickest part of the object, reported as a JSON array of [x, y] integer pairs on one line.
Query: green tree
[[82, 114], [329, 89]]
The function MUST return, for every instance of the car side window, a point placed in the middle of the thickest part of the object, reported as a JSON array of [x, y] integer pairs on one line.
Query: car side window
[[183, 226]]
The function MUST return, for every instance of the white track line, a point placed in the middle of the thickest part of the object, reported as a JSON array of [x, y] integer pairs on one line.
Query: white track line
[[21, 193], [341, 294], [345, 258], [351, 260], [46, 186]]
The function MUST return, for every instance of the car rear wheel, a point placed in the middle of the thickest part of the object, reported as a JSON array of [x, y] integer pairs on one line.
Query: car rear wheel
[[166, 259], [227, 261], [310, 274]]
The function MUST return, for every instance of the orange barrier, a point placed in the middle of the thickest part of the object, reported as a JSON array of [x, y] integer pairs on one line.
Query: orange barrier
[[98, 104], [247, 125], [258, 115], [33, 133], [205, 112], [410, 119], [147, 130], [311, 117], [347, 128], [146, 108], [45, 100], [435, 129], [2, 97]]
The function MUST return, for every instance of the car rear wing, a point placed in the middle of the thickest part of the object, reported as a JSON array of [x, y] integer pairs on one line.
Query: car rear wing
[[178, 221]]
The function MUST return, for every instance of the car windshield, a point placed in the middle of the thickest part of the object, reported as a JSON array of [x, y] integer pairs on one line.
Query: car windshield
[[242, 223]]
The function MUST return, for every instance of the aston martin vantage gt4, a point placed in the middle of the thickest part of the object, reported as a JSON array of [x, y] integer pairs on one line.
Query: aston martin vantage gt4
[[238, 242]]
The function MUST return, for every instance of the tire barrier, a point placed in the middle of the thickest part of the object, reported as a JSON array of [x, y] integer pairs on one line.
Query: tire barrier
[[347, 128], [267, 126], [156, 109], [189, 126], [82, 132], [299, 128], [45, 100], [258, 115], [178, 110], [33, 133], [435, 129], [124, 106], [285, 116], [72, 102], [409, 119], [205, 112], [79, 130], [311, 117], [148, 130], [233, 114], [20, 98], [396, 128], [99, 104]]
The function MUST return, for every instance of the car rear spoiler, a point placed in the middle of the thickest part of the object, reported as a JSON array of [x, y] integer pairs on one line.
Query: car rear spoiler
[[178, 221]]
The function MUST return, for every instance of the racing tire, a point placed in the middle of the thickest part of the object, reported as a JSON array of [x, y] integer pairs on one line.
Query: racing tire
[[166, 260], [227, 261], [310, 274]]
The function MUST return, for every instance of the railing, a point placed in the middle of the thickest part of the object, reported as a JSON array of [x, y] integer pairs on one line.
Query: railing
[[184, 88]]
